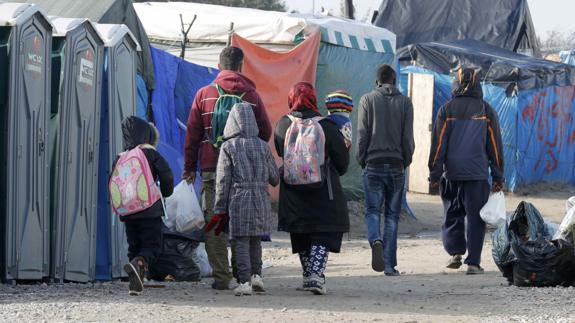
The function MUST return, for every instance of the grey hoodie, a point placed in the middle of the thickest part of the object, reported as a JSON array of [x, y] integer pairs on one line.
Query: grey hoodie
[[385, 128]]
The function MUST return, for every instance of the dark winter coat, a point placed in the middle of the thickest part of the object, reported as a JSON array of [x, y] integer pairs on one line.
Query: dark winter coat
[[245, 168], [466, 139], [312, 210], [137, 132], [199, 122]]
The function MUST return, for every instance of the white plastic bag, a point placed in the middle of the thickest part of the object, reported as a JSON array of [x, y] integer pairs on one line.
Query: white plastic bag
[[189, 215], [567, 226], [170, 209], [200, 257], [493, 212]]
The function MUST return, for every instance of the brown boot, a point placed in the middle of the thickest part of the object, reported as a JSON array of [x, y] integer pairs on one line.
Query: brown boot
[[136, 270]]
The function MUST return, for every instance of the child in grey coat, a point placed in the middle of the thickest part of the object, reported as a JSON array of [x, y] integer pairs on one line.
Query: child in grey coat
[[245, 168]]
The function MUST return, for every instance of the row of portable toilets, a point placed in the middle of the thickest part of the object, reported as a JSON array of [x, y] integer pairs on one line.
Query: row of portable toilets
[[65, 86]]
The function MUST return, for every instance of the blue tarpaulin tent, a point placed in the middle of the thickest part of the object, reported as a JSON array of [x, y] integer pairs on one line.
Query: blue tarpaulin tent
[[535, 101], [177, 82]]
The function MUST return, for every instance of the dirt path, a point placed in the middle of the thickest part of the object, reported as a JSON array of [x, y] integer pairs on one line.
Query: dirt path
[[424, 293]]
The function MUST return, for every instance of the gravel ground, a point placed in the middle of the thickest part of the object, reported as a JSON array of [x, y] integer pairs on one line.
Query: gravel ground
[[426, 292]]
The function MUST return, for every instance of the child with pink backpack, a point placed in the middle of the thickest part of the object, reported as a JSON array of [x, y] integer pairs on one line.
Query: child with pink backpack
[[136, 196]]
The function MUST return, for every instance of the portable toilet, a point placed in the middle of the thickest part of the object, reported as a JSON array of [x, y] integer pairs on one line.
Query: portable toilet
[[25, 46], [118, 102], [78, 53]]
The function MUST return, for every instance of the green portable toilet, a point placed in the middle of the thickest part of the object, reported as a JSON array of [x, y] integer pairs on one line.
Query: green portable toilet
[[25, 46]]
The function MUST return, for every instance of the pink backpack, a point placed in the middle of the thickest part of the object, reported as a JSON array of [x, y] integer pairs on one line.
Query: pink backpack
[[132, 187], [304, 153]]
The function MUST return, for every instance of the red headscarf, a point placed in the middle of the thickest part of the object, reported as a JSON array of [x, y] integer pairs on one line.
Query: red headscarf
[[302, 96]]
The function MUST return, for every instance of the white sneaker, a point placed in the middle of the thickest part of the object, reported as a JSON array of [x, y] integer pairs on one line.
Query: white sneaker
[[257, 284], [243, 289]]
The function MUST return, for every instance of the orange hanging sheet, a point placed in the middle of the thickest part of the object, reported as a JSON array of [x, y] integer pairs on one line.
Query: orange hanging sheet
[[274, 73]]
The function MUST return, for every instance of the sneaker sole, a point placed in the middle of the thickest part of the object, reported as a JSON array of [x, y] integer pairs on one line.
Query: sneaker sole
[[136, 285], [302, 289], [377, 262], [317, 290]]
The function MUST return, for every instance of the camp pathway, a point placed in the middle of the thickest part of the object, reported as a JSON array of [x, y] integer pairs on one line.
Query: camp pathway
[[425, 293]]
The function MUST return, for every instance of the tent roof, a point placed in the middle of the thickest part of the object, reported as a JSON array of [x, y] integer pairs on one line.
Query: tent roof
[[93, 10], [114, 33], [13, 13], [162, 23], [494, 64], [506, 24]]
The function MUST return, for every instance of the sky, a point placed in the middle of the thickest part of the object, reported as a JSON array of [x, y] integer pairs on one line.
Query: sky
[[547, 14]]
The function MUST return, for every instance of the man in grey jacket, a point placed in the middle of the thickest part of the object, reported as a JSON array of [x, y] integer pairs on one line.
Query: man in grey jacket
[[385, 150]]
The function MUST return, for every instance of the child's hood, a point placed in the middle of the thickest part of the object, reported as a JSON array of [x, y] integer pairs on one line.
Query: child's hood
[[241, 122], [137, 131]]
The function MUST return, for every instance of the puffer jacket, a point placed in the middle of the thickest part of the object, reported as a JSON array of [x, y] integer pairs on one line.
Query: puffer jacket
[[466, 141], [135, 132], [245, 168]]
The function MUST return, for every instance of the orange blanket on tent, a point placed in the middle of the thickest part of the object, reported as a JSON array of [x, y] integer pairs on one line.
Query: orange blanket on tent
[[275, 73]]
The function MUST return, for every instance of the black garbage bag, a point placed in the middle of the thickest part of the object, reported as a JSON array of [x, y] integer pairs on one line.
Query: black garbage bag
[[543, 263], [176, 259], [526, 223]]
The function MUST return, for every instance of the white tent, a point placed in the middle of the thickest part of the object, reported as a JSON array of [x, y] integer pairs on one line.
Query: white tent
[[275, 30]]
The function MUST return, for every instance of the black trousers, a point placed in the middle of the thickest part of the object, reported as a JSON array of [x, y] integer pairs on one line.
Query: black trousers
[[144, 238], [463, 199]]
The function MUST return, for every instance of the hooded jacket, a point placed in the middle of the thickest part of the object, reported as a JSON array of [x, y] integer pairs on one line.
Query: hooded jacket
[[199, 122], [385, 128], [136, 132], [466, 141], [245, 168]]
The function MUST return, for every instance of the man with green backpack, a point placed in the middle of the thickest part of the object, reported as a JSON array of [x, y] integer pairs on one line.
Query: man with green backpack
[[205, 126]]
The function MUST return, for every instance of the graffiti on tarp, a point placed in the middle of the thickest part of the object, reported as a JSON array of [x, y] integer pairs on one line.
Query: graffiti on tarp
[[550, 114]]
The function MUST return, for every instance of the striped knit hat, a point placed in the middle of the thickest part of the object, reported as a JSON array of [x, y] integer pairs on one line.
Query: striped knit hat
[[339, 101]]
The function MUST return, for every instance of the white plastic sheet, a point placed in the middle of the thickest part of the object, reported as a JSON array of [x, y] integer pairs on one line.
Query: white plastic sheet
[[567, 226], [494, 210]]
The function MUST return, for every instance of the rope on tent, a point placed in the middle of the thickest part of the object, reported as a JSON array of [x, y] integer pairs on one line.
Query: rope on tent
[[185, 35]]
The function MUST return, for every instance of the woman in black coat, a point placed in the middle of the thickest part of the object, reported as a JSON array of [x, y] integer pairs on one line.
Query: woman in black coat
[[316, 218]]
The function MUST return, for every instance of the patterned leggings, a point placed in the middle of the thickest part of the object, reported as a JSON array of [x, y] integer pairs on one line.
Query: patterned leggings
[[314, 261]]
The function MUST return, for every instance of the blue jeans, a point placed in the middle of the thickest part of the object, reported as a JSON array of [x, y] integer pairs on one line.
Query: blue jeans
[[383, 186]]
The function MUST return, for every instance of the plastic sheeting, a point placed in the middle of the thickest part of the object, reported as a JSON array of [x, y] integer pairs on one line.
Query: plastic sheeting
[[505, 24], [495, 65], [354, 71], [177, 82], [537, 129], [567, 57]]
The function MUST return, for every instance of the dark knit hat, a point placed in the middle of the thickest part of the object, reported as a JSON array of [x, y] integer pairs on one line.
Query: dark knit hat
[[339, 101]]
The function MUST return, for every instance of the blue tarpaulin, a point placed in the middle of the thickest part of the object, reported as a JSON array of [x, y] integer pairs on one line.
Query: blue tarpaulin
[[567, 57], [177, 82], [537, 128]]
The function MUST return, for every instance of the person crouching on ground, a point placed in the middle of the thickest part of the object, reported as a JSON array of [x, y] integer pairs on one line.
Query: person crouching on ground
[[315, 215], [466, 144], [144, 228], [339, 105], [244, 170]]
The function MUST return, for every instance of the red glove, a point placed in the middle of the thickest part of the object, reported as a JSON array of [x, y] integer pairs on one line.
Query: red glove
[[221, 220]]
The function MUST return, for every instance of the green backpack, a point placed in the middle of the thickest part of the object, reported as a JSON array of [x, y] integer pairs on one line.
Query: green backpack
[[222, 109]]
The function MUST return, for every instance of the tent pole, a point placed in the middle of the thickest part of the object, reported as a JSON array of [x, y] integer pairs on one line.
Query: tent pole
[[185, 35], [230, 33]]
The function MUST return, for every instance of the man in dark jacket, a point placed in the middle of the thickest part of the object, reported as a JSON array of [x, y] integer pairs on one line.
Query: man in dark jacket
[[466, 145], [385, 150], [144, 229], [198, 148]]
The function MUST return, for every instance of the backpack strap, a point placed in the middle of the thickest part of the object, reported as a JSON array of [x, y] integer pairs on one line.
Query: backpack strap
[[222, 92], [146, 146]]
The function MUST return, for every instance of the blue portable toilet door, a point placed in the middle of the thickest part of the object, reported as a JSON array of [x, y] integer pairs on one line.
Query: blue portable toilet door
[[25, 169], [75, 251]]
